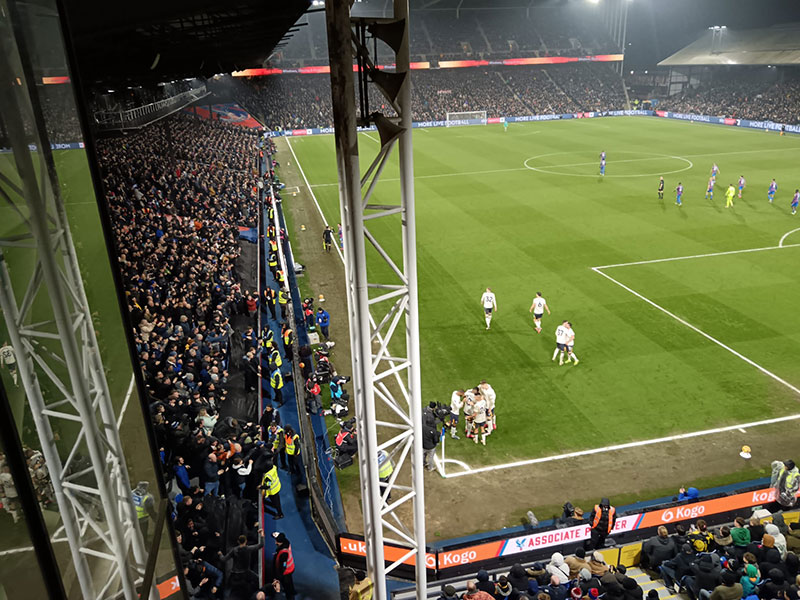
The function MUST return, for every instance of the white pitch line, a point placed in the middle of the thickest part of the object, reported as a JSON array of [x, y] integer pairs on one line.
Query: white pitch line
[[313, 195], [659, 260], [701, 332], [459, 174], [125, 403], [638, 444], [785, 235], [374, 139]]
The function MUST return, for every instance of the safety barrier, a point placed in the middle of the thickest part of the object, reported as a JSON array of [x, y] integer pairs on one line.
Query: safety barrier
[[498, 551]]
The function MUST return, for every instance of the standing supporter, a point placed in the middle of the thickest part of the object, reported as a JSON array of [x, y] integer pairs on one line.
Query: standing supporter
[[242, 557], [658, 549], [602, 520], [283, 564], [292, 445], [324, 321], [287, 335]]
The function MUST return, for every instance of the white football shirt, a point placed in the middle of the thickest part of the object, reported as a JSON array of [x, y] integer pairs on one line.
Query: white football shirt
[[562, 334], [488, 300], [538, 305]]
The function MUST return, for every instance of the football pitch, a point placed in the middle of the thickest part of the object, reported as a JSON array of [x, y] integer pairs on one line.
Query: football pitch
[[685, 317]]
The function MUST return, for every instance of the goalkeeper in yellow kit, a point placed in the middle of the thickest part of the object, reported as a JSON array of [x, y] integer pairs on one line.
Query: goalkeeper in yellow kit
[[729, 194]]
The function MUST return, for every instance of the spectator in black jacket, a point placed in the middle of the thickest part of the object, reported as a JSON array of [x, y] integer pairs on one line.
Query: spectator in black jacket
[[430, 439], [673, 571], [242, 576], [705, 575], [211, 473], [658, 549]]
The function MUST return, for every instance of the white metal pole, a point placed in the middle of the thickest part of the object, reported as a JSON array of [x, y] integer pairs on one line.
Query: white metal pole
[[412, 307]]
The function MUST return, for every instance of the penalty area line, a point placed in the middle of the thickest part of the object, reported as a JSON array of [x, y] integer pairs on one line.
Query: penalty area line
[[701, 332]]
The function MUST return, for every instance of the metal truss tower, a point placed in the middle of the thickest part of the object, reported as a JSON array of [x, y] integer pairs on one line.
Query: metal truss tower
[[59, 364], [615, 18], [382, 295]]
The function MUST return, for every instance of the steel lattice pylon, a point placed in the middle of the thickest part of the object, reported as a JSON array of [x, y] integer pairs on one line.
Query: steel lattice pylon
[[58, 360], [382, 303]]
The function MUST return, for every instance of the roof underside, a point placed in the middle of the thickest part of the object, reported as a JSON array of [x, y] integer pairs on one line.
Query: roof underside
[[157, 40], [771, 46]]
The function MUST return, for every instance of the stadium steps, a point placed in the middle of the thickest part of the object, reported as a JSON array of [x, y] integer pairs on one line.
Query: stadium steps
[[647, 583]]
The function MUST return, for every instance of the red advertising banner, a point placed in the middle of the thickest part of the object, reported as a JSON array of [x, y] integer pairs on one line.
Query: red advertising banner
[[391, 552]]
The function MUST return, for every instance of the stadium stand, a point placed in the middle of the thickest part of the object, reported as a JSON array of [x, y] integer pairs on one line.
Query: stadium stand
[[302, 101], [177, 193], [730, 94]]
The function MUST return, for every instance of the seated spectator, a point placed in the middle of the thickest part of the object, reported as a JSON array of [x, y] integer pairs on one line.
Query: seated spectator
[[749, 580], [587, 581], [756, 529], [555, 590], [578, 561], [673, 571], [723, 540], [503, 589], [740, 535], [657, 549], [793, 538], [700, 538], [705, 575], [484, 582], [632, 590], [448, 593], [774, 585], [558, 568], [518, 577], [729, 589], [597, 564], [780, 540], [769, 557], [473, 593]]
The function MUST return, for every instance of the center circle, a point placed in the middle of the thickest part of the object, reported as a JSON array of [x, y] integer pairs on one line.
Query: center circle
[[552, 170]]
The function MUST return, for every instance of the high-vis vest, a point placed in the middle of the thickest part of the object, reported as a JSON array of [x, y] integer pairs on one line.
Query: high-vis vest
[[598, 514], [287, 337], [289, 560], [276, 380], [272, 261], [277, 441], [139, 501], [386, 468], [279, 277], [363, 589], [291, 446], [283, 297], [275, 358], [271, 483], [273, 245]]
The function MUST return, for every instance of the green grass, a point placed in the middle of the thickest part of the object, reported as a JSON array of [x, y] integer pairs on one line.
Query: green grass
[[484, 219], [84, 220]]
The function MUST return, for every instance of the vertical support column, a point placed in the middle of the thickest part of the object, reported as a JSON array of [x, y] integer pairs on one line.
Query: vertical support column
[[340, 49], [408, 217]]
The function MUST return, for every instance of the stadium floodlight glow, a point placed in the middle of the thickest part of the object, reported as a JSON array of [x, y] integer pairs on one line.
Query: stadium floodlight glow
[[593, 1]]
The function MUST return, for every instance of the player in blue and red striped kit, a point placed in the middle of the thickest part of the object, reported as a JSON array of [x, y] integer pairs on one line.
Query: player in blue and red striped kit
[[742, 183], [795, 201], [678, 194], [773, 187]]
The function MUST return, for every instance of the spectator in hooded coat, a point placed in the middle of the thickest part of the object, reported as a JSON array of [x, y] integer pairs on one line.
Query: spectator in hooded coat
[[659, 548], [558, 568]]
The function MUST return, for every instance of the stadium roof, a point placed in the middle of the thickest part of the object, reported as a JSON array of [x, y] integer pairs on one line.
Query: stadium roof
[[778, 45], [158, 40]]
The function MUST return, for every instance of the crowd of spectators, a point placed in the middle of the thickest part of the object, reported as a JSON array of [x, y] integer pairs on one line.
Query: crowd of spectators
[[741, 98], [303, 101], [745, 559], [177, 193], [449, 34]]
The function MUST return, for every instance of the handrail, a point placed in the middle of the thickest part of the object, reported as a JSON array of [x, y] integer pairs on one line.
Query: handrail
[[143, 115]]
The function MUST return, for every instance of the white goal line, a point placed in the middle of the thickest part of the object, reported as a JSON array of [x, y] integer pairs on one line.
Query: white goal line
[[441, 462]]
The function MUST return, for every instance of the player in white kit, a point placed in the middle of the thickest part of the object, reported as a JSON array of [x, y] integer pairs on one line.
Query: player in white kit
[[489, 303], [469, 412], [456, 402], [538, 306], [490, 396], [562, 335], [570, 343], [480, 419], [9, 359]]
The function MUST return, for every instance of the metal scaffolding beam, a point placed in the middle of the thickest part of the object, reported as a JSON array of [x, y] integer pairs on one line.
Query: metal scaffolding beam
[[51, 330], [382, 302]]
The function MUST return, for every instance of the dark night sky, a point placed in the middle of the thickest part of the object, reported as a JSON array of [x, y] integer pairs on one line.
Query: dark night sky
[[658, 28]]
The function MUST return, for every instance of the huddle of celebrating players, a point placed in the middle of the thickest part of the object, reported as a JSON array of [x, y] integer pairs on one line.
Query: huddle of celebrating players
[[479, 417], [730, 193]]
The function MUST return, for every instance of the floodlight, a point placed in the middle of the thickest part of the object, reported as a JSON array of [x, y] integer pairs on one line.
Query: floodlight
[[593, 1]]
